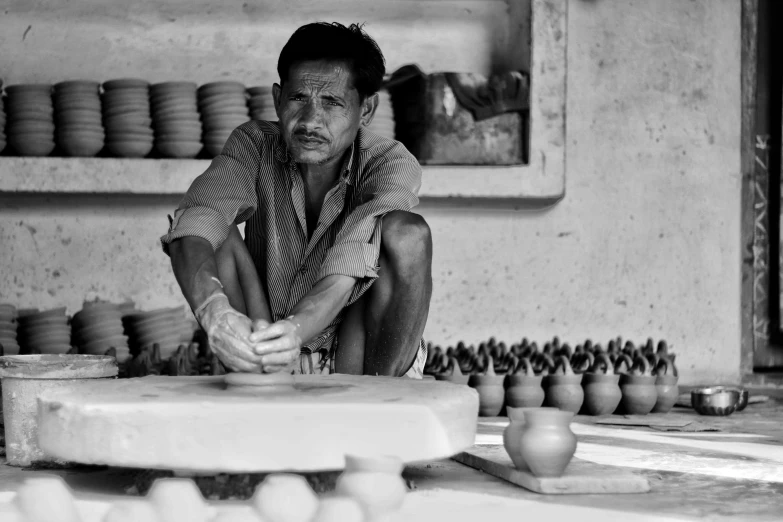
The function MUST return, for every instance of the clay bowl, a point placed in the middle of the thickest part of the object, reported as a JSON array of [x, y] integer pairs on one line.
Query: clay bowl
[[491, 393], [125, 83], [100, 346], [79, 117], [26, 115], [77, 105], [10, 348], [129, 148], [564, 392], [178, 127], [30, 126], [136, 317], [127, 108], [39, 322], [33, 147], [39, 314], [173, 86], [261, 90], [179, 149], [7, 328], [118, 132], [124, 95], [128, 119], [96, 314], [216, 104], [49, 338], [52, 349], [96, 333], [167, 101], [44, 328], [77, 86], [221, 87], [28, 87]]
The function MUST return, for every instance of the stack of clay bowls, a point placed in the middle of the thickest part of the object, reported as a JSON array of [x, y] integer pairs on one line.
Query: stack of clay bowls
[[261, 104], [44, 332], [30, 119], [383, 122], [126, 118], [175, 119], [97, 327], [166, 327], [223, 108], [2, 124], [77, 117], [8, 330]]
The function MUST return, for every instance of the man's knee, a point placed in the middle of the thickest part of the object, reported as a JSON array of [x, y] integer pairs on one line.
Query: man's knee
[[406, 235]]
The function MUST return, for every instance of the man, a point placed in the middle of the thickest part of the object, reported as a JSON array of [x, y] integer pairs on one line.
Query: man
[[334, 274]]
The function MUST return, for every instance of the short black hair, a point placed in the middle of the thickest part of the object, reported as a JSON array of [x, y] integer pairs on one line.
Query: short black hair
[[336, 42]]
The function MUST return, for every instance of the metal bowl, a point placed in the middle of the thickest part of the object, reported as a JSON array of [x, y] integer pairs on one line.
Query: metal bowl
[[715, 400]]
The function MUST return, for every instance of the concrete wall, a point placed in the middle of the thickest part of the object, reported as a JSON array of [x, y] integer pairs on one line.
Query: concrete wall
[[646, 242]]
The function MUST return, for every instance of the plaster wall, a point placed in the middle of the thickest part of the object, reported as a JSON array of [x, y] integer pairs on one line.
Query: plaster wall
[[645, 243]]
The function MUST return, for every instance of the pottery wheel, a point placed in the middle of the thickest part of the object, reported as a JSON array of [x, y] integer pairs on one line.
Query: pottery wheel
[[253, 423]]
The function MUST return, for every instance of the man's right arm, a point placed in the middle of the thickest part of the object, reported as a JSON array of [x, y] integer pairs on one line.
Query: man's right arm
[[193, 261]]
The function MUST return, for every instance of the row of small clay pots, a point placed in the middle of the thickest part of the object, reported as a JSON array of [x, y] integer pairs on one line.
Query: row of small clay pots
[[590, 393]]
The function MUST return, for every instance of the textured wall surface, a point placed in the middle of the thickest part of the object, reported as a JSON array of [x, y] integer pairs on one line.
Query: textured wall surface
[[645, 243]]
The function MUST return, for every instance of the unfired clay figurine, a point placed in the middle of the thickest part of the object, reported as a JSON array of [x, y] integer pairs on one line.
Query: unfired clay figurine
[[46, 498], [338, 509], [376, 483], [178, 499], [285, 497]]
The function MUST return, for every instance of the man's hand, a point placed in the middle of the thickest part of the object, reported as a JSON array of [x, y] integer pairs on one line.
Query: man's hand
[[278, 344], [228, 332]]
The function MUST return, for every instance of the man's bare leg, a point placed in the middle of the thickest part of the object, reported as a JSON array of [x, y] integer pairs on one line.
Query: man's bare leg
[[237, 272], [381, 331]]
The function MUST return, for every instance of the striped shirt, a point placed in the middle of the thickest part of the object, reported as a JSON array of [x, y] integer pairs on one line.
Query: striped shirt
[[255, 180]]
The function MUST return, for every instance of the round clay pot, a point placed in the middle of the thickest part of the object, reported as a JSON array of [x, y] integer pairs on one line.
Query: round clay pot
[[667, 393], [564, 391], [523, 390], [639, 393], [602, 393], [547, 443], [490, 390], [376, 483]]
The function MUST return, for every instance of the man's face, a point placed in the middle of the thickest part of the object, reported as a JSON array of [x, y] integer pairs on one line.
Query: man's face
[[320, 111]]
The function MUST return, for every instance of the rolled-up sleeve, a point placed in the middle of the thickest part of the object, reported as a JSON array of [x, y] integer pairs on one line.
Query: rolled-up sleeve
[[223, 195], [390, 182]]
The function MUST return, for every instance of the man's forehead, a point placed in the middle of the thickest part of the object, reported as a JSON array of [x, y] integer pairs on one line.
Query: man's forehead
[[330, 74]]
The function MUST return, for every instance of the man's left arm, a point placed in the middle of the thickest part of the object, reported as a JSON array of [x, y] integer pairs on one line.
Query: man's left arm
[[392, 183]]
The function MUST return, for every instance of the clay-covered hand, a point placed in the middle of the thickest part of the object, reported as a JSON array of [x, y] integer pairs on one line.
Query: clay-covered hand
[[278, 345], [228, 332]]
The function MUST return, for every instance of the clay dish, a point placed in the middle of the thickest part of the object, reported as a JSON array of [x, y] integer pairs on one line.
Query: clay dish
[[33, 116], [77, 85], [98, 331], [84, 114], [220, 104], [30, 126], [125, 83], [221, 87], [127, 108], [173, 96], [173, 106], [175, 127], [77, 105], [129, 119], [239, 98], [179, 149], [36, 322], [192, 118], [28, 87], [95, 345], [82, 148], [129, 147], [54, 349], [32, 146], [89, 315], [52, 312]]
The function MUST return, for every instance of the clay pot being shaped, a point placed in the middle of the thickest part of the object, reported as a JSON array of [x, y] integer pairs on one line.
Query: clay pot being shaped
[[564, 390], [666, 386], [523, 390], [453, 374], [547, 443], [638, 387], [601, 387], [376, 483], [490, 389]]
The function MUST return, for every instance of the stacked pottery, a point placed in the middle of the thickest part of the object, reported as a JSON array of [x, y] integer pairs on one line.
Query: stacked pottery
[[523, 390], [166, 327], [490, 389], [175, 119], [97, 328], [2, 124], [637, 385], [665, 385], [77, 117], [261, 103], [44, 332], [30, 119], [453, 373], [563, 388], [223, 108], [383, 121], [8, 330], [547, 443], [126, 118], [601, 387]]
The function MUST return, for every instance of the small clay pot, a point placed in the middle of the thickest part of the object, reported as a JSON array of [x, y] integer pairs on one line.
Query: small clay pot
[[564, 391], [523, 390], [601, 388], [453, 374], [490, 389], [666, 386], [638, 387], [547, 443]]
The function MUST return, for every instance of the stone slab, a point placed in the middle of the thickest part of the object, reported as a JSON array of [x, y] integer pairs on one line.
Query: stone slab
[[199, 424], [580, 477]]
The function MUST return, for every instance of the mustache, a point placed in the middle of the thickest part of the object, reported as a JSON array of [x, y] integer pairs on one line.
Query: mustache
[[310, 135]]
